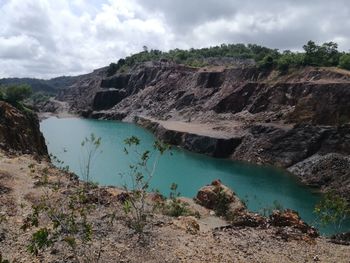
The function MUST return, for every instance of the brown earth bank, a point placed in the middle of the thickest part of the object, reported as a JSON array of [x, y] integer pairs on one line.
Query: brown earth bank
[[245, 237], [298, 121], [20, 132]]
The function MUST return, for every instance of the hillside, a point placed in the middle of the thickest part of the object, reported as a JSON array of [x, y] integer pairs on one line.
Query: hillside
[[51, 86]]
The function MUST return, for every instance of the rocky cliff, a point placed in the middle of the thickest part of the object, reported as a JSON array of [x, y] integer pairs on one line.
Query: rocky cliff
[[19, 131], [294, 121]]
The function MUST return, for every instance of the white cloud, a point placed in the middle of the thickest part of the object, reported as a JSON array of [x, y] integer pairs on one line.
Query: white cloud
[[47, 38]]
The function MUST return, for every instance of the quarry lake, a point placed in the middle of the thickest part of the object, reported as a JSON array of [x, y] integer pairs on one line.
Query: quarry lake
[[259, 186]]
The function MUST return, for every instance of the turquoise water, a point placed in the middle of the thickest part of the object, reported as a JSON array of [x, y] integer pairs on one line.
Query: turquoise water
[[260, 186]]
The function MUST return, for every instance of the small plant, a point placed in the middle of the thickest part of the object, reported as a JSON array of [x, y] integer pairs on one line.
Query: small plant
[[223, 202], [59, 163], [90, 147], [175, 207], [267, 211], [40, 240], [141, 173], [66, 220], [2, 260], [332, 210]]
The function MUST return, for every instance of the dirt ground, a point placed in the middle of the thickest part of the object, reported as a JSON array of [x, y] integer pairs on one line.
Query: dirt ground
[[168, 240]]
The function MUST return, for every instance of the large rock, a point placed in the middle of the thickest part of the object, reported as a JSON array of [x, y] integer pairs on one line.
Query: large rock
[[216, 196], [19, 131], [341, 238], [290, 218]]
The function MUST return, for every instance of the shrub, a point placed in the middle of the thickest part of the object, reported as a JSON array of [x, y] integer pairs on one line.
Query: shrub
[[17, 93], [344, 61], [266, 63], [176, 207], [332, 210], [141, 173], [223, 202]]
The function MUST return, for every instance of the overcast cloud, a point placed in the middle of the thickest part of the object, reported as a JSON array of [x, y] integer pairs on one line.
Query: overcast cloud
[[48, 38]]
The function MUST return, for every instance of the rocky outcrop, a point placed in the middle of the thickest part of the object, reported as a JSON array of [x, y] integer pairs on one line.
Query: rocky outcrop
[[19, 131], [341, 238], [217, 196], [220, 147], [328, 172], [290, 218]]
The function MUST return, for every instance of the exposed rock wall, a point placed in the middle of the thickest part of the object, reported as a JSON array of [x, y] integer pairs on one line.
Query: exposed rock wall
[[212, 146], [268, 118], [19, 131]]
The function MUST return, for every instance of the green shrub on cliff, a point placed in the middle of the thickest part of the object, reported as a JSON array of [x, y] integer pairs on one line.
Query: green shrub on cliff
[[16, 93], [344, 61]]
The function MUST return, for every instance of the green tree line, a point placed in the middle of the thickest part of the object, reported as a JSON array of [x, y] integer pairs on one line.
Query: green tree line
[[325, 55]]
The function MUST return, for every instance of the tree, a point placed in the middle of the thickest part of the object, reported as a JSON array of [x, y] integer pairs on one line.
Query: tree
[[344, 61], [332, 210], [17, 93], [323, 56], [266, 63]]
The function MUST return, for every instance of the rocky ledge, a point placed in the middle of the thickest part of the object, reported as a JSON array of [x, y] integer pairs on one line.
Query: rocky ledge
[[20, 132]]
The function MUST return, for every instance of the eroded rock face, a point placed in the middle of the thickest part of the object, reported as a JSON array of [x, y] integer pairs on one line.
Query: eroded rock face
[[106, 99], [19, 131], [329, 171], [284, 119]]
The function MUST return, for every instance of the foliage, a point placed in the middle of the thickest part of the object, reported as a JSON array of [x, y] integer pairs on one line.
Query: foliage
[[175, 207], [344, 61], [141, 173], [289, 60], [223, 202], [266, 211], [267, 63], [90, 146], [16, 93], [332, 210], [68, 223], [325, 55], [39, 97]]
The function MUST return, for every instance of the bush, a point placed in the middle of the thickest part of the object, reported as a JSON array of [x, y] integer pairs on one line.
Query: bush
[[266, 63], [344, 61], [176, 207], [141, 173], [332, 210], [16, 93]]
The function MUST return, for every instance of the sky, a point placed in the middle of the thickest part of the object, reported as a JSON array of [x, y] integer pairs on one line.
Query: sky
[[49, 38]]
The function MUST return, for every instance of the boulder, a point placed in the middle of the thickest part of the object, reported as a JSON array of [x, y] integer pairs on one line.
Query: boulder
[[250, 220], [217, 196], [341, 238], [187, 223], [293, 222]]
